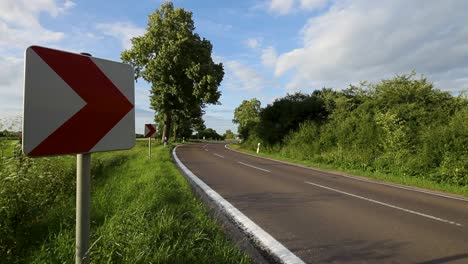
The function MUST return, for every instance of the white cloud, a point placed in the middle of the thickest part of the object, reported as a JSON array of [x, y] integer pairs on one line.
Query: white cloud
[[253, 43], [313, 4], [25, 12], [12, 38], [269, 57], [220, 124], [20, 25], [142, 95], [282, 7], [11, 85], [68, 4], [123, 31], [142, 117], [242, 77], [370, 40]]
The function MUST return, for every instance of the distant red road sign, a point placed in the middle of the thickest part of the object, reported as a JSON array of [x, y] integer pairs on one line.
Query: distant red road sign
[[76, 104], [150, 130]]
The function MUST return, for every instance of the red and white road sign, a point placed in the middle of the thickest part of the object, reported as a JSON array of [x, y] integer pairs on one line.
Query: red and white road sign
[[150, 130], [76, 104]]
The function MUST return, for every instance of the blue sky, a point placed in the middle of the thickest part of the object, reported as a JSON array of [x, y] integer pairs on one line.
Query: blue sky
[[268, 47]]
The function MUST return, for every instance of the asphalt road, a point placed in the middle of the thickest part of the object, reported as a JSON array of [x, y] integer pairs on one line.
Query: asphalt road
[[327, 218]]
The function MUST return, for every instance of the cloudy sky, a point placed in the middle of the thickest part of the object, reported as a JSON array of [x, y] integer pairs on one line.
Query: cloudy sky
[[268, 47]]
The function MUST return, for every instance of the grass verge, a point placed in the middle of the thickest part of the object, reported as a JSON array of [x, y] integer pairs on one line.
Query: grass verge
[[394, 178], [143, 211]]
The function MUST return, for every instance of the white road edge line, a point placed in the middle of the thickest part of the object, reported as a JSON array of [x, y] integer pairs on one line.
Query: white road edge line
[[356, 178], [216, 154], [248, 226], [386, 204], [245, 164]]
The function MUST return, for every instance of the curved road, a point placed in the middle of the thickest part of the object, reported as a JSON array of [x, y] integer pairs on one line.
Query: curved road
[[327, 218]]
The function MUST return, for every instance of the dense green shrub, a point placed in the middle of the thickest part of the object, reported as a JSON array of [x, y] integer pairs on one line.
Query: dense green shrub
[[402, 125], [32, 194], [454, 165], [303, 143], [285, 115], [29, 187]]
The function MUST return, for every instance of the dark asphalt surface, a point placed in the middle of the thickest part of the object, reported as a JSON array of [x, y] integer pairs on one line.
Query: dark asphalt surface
[[326, 218]]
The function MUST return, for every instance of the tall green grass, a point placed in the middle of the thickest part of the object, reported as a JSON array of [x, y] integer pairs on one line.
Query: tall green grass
[[143, 211]]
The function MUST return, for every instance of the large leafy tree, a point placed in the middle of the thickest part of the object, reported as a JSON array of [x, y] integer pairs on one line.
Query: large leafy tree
[[178, 64], [246, 115], [286, 113], [209, 133], [229, 134]]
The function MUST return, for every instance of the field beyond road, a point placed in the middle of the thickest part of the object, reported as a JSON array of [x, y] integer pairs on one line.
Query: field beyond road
[[143, 211]]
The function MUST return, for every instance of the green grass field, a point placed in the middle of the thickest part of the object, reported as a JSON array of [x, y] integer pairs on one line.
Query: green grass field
[[143, 211], [388, 177], [6, 147]]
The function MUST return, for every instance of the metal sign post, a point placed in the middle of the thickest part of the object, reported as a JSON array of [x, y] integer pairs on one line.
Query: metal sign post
[[150, 130], [83, 205], [94, 93], [149, 147]]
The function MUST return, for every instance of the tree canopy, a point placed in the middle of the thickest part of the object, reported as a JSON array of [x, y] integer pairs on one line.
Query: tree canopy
[[286, 113], [246, 115], [178, 64], [229, 134], [209, 133]]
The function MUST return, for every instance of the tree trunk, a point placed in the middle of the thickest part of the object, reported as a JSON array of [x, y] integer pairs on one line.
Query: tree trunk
[[175, 126], [167, 126]]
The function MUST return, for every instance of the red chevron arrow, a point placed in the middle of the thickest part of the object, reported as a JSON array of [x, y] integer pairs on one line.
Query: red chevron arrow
[[105, 104], [151, 130]]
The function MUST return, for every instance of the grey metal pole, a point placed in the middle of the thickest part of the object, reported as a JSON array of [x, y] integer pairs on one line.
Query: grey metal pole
[[149, 147], [83, 206]]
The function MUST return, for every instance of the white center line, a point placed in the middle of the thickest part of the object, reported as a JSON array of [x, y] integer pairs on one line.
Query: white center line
[[206, 150], [386, 204], [356, 177], [216, 154], [245, 164]]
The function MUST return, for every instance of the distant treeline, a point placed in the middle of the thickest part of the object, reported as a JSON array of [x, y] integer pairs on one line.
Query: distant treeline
[[10, 134], [403, 125]]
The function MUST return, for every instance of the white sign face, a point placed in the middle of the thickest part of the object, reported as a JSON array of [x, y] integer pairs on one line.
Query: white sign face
[[150, 130], [76, 104]]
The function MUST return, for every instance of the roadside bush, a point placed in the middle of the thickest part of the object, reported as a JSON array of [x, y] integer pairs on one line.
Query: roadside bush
[[285, 114], [303, 143], [32, 194], [252, 142], [29, 187], [403, 126], [454, 165]]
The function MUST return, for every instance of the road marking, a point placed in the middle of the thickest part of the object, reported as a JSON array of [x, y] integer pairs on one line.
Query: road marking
[[206, 150], [256, 234], [204, 146], [245, 164], [356, 178], [386, 204], [216, 154]]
